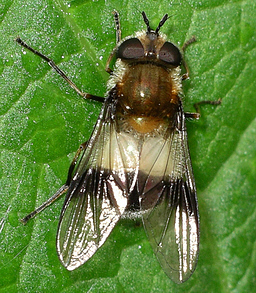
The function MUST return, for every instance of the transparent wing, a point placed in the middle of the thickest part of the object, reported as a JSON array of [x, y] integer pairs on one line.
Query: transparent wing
[[97, 195], [169, 203]]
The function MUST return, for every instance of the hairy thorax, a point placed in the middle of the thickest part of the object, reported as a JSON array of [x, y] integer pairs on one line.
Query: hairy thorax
[[147, 96]]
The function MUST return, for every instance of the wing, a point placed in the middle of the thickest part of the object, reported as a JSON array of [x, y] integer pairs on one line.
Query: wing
[[97, 195], [169, 203]]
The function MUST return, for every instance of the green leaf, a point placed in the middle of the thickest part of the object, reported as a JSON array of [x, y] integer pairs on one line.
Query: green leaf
[[43, 121]]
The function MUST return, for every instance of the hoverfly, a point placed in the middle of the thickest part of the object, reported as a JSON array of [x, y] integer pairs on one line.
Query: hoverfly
[[136, 161]]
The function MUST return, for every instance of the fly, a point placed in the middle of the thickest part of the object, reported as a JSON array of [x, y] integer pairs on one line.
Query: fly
[[137, 159]]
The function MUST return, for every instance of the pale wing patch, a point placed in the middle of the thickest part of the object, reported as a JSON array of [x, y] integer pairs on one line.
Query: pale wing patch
[[169, 206], [98, 194]]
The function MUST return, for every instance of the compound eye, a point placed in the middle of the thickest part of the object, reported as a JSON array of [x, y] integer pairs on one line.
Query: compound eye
[[130, 49], [170, 54]]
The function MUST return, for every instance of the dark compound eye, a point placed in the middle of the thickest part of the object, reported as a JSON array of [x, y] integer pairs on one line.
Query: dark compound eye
[[170, 54], [130, 49]]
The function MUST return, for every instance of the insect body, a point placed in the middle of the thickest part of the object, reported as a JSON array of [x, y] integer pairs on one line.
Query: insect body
[[136, 161]]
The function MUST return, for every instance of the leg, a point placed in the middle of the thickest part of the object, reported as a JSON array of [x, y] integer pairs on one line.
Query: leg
[[185, 76], [60, 192], [185, 45], [189, 115], [197, 107], [198, 104], [49, 201], [118, 39], [60, 72], [74, 161]]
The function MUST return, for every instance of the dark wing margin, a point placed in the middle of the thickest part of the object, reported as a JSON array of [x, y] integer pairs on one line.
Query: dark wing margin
[[169, 205], [95, 200]]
